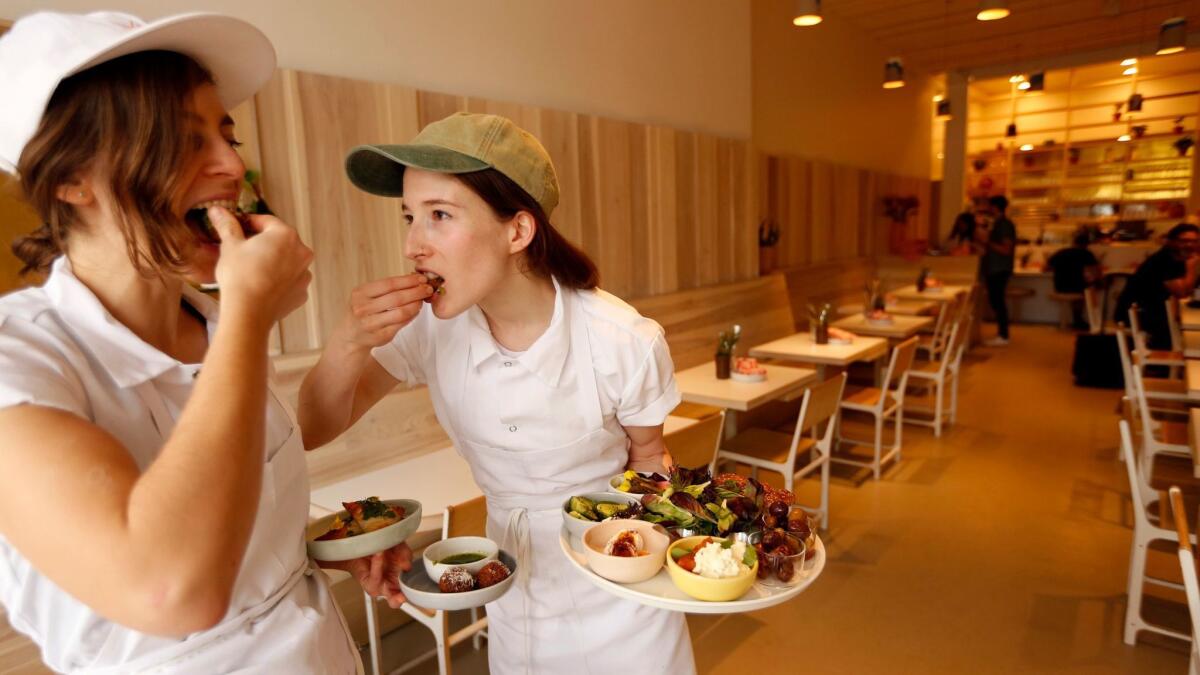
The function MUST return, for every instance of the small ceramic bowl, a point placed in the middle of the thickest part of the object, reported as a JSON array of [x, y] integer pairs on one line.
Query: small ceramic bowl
[[625, 570], [422, 591], [578, 526], [615, 482], [368, 543], [436, 552], [703, 588]]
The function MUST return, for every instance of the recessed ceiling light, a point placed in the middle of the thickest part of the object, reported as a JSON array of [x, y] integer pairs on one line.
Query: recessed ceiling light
[[808, 13], [1131, 70], [1129, 62]]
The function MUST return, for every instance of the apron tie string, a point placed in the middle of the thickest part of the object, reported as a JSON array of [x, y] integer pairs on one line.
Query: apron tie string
[[516, 539]]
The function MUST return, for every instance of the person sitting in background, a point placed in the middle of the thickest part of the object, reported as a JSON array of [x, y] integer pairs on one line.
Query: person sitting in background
[[1171, 271], [962, 234], [1075, 269]]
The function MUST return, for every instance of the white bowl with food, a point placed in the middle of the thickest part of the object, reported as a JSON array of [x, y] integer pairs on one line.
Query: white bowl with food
[[625, 551], [458, 589], [583, 511], [364, 528], [471, 553]]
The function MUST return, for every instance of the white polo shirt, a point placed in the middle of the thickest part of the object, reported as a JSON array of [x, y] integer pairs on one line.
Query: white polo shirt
[[530, 401], [59, 347]]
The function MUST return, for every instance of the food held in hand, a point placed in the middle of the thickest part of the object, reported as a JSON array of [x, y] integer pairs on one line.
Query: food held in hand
[[748, 366], [437, 282], [491, 574], [586, 509], [340, 528], [626, 544], [249, 202], [372, 513], [456, 580]]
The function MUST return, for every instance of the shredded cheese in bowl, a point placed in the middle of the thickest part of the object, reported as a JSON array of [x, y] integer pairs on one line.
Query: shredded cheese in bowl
[[717, 562]]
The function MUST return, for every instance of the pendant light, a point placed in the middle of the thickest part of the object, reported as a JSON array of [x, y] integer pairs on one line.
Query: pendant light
[[992, 10], [1037, 81], [893, 74], [1172, 36], [808, 13]]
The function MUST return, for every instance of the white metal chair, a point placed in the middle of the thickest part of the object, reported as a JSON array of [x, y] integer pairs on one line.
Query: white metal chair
[[775, 451], [1187, 567], [882, 403], [1156, 389], [938, 375], [1091, 304], [932, 347], [1146, 529], [1159, 436], [1155, 357], [1173, 324], [467, 518]]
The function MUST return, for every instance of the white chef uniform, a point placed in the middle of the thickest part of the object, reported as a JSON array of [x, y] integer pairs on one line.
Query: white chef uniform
[[59, 347], [536, 428]]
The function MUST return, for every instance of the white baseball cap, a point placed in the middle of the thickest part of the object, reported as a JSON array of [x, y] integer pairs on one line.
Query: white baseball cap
[[43, 49]]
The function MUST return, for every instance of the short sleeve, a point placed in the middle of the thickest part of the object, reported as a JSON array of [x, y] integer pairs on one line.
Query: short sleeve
[[651, 394], [33, 372], [403, 357]]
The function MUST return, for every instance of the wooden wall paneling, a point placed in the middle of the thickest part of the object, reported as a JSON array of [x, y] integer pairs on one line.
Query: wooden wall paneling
[[839, 283], [706, 238], [614, 248], [285, 185], [588, 161], [685, 209], [866, 203], [821, 206], [560, 136], [747, 211], [846, 215], [727, 223], [432, 106], [797, 194], [692, 318], [642, 272], [662, 215]]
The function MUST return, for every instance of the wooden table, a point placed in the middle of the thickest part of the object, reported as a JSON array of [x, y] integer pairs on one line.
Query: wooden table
[[900, 328], [913, 307], [1189, 318], [675, 423], [801, 348], [700, 385], [946, 294], [1193, 381], [1191, 344]]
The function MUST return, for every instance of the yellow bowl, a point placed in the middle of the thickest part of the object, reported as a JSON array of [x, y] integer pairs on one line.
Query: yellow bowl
[[703, 588]]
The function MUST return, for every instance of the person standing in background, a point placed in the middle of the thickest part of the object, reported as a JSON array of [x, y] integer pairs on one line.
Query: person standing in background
[[997, 245]]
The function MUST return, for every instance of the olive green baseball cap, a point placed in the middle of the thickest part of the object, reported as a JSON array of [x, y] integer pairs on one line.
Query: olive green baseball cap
[[460, 143]]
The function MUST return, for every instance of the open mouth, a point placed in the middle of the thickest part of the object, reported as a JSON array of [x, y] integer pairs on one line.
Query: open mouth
[[249, 202], [436, 281]]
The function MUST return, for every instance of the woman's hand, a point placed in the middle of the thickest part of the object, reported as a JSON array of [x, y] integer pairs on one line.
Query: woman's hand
[[267, 274], [380, 308], [379, 574]]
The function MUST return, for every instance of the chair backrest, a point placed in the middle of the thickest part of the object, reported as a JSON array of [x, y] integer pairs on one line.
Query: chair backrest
[[1173, 324], [953, 350], [821, 405], [466, 519], [942, 322], [1133, 472], [1126, 363], [697, 445], [1135, 329], [1187, 563], [1091, 304], [897, 371]]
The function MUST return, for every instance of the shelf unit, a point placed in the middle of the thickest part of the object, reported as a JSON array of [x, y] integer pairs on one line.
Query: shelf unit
[[1064, 185]]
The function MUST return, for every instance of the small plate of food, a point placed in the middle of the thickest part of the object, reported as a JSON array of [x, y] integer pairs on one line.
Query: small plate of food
[[839, 336], [625, 551], [583, 511], [746, 369], [880, 318], [458, 587], [365, 527]]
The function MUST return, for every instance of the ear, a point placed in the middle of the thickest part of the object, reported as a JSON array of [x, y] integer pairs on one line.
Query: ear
[[77, 191], [521, 230]]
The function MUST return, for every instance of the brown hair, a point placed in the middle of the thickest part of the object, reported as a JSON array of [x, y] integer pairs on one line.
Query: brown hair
[[549, 254], [124, 119]]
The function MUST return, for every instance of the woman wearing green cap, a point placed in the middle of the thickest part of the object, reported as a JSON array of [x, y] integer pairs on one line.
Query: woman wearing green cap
[[547, 385]]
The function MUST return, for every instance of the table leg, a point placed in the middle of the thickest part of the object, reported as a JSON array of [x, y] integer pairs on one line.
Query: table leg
[[730, 423], [879, 372]]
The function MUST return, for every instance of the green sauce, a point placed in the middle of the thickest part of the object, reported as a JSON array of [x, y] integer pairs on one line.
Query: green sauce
[[462, 558]]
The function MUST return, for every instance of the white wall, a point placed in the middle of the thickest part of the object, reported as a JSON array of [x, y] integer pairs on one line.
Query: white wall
[[680, 63], [818, 93]]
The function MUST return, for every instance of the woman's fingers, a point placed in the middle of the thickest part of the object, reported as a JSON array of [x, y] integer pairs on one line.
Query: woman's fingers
[[380, 287]]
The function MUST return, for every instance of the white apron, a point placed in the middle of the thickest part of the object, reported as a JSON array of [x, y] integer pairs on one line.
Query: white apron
[[275, 568], [553, 620]]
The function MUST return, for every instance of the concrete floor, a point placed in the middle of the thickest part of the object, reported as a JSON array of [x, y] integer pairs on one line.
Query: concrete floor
[[1000, 548]]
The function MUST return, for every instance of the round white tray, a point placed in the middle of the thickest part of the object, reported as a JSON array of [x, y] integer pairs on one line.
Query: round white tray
[[661, 592]]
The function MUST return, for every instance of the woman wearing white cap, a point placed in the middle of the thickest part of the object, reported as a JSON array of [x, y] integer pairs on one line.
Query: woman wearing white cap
[[151, 512], [547, 385]]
